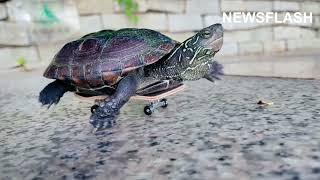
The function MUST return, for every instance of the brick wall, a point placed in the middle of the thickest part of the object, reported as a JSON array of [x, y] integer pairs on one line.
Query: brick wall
[[178, 19]]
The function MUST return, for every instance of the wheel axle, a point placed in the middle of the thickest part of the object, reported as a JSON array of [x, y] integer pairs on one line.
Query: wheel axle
[[149, 109]]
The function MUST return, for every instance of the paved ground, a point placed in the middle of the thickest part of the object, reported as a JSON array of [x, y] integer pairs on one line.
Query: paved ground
[[208, 132]]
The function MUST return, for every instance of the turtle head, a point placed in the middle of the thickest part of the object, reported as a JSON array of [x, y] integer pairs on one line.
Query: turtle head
[[198, 51], [210, 37], [205, 43]]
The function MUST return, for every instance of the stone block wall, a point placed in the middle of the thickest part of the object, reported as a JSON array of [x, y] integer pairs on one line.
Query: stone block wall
[[178, 19]]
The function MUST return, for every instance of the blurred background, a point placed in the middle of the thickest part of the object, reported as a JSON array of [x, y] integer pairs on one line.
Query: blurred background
[[32, 31]]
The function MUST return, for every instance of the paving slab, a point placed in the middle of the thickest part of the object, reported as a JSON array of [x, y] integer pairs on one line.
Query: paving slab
[[209, 131]]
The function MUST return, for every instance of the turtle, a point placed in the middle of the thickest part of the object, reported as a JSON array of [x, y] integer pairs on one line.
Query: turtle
[[126, 62]]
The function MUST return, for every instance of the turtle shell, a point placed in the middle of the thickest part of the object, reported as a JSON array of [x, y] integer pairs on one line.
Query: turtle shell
[[104, 57]]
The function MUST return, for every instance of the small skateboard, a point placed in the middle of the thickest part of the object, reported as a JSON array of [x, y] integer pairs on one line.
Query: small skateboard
[[155, 100]]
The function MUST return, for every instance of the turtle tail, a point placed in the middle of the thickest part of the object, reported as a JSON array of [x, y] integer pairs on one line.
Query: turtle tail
[[52, 93]]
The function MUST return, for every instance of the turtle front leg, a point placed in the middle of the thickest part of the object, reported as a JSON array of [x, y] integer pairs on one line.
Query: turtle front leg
[[215, 71], [105, 114]]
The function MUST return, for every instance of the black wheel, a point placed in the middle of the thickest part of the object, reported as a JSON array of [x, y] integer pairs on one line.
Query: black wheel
[[94, 108], [165, 103], [147, 110]]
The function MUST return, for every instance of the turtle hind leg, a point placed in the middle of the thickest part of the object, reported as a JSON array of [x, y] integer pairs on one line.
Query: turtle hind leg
[[52, 93]]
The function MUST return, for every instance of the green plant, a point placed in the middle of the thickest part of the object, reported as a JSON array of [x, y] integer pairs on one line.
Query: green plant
[[48, 16], [130, 8], [21, 62]]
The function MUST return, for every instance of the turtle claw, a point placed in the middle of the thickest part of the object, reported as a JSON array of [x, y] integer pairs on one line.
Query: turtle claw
[[102, 124], [47, 106], [47, 101], [98, 101]]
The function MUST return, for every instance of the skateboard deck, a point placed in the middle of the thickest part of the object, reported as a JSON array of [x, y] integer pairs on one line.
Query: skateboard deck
[[149, 97]]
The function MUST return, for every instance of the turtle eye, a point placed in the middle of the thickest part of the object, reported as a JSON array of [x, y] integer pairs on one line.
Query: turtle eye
[[207, 34]]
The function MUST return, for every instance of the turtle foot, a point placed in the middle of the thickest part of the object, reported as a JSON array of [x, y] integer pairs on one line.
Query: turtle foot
[[215, 72], [104, 116], [52, 93]]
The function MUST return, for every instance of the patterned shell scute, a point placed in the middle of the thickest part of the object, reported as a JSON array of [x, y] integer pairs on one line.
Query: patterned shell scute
[[130, 47], [103, 57]]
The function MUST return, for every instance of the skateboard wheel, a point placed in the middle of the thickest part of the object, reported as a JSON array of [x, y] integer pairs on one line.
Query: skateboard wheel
[[94, 108], [164, 103], [147, 110]]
